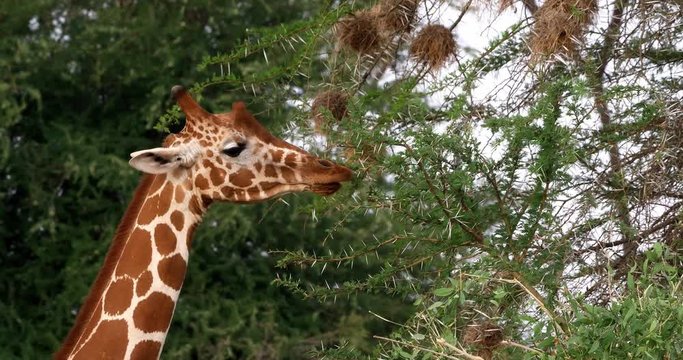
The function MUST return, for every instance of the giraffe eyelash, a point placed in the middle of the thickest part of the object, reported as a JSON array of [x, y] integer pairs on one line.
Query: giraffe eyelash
[[234, 149]]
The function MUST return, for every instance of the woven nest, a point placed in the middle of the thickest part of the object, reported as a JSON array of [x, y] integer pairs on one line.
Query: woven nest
[[361, 32], [398, 16], [560, 25], [333, 101], [434, 45], [486, 335], [486, 354]]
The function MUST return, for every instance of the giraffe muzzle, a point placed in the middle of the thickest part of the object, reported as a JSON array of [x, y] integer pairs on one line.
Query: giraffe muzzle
[[328, 177]]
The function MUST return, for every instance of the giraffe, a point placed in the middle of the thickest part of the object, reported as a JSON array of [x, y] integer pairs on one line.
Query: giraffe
[[215, 157]]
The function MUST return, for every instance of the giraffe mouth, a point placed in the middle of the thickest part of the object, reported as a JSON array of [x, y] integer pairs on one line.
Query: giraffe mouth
[[325, 189], [328, 177]]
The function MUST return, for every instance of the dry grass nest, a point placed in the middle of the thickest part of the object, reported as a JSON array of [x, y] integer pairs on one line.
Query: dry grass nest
[[398, 16], [333, 101], [434, 45], [361, 32], [486, 335], [560, 25]]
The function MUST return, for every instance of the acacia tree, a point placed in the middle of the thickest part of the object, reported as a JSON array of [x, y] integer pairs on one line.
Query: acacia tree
[[535, 217], [82, 85]]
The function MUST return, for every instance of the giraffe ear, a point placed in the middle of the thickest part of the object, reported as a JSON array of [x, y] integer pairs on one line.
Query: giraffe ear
[[162, 160]]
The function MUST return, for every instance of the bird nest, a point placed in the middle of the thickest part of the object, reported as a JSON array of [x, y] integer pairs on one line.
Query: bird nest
[[333, 101], [361, 32], [485, 336], [398, 16], [434, 45], [559, 26]]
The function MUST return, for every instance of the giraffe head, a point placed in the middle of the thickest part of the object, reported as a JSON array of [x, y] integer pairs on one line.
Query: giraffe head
[[232, 157]]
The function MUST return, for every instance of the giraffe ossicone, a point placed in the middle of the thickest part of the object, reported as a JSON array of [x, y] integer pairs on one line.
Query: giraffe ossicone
[[216, 157]]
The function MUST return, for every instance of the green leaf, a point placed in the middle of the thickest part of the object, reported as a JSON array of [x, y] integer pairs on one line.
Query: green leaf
[[595, 346], [444, 291], [405, 355], [435, 305]]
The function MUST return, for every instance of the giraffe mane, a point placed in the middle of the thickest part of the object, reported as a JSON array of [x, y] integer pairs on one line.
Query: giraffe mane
[[116, 249]]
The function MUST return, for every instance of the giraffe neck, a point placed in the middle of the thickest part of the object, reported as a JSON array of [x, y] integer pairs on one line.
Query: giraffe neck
[[129, 309]]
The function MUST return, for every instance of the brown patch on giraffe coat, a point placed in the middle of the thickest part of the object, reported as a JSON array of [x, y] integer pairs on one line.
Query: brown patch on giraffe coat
[[108, 342], [190, 235], [169, 140], [209, 153], [156, 184], [207, 163], [179, 194], [195, 207], [288, 175], [165, 239], [206, 201], [118, 297], [266, 185], [277, 155], [136, 255], [148, 212], [144, 283], [201, 182], [91, 324], [270, 171], [147, 349], [172, 271], [154, 313], [227, 191], [157, 204], [217, 176], [258, 166], [165, 199], [290, 160], [242, 178], [178, 220], [199, 205]]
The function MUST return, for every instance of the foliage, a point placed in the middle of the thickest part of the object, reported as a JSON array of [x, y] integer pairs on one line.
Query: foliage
[[523, 187], [646, 323], [82, 85]]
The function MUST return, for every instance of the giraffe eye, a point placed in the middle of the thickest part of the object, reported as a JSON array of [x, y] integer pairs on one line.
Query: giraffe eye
[[234, 150]]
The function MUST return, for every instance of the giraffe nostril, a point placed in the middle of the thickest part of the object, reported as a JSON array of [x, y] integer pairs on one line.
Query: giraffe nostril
[[325, 163]]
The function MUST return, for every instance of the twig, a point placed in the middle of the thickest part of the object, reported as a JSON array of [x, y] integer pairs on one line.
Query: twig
[[462, 14], [460, 352], [518, 279], [420, 348]]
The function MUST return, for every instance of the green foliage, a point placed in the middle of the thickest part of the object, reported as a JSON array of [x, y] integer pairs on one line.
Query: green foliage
[[646, 323], [501, 204], [81, 86]]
